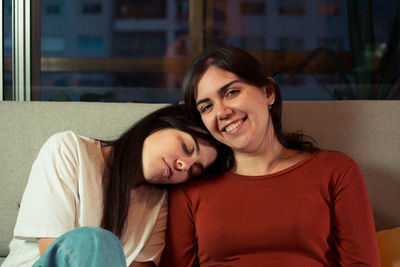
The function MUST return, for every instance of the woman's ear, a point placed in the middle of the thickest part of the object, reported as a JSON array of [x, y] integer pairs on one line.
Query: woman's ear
[[270, 91], [270, 97], [270, 79]]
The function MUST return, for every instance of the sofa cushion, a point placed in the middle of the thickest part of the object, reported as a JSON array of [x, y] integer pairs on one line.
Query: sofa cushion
[[389, 247]]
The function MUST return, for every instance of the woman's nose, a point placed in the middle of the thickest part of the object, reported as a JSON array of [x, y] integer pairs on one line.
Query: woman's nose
[[182, 164], [223, 112]]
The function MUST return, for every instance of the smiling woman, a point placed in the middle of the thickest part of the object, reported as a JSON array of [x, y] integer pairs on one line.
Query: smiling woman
[[286, 202], [84, 192]]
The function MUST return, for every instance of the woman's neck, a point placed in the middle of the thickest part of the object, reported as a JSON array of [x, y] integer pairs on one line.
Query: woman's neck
[[259, 163], [267, 161]]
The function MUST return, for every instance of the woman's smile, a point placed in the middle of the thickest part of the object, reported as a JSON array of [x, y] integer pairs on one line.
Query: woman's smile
[[233, 127]]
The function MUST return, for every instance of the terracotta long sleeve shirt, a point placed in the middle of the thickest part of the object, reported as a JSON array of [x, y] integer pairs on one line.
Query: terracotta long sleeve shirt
[[314, 213]]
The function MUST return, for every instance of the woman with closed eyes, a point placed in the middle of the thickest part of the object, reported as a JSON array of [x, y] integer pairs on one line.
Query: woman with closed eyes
[[94, 203]]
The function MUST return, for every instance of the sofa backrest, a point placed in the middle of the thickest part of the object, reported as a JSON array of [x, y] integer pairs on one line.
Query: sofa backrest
[[368, 131]]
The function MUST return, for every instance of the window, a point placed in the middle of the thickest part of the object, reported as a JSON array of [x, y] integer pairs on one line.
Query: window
[[139, 44], [53, 45], [329, 9], [92, 8], [140, 9], [91, 45], [291, 8], [252, 8], [53, 9]]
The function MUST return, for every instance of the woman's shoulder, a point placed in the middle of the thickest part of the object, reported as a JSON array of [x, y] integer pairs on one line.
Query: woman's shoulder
[[69, 145], [335, 158], [66, 139], [62, 138]]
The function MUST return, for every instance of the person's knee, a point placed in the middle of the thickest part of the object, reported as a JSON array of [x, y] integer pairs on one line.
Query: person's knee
[[85, 246], [92, 240]]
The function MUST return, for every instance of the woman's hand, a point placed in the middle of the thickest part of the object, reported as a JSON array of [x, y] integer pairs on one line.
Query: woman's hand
[[44, 243]]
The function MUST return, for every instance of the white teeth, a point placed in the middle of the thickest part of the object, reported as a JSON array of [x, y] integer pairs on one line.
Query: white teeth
[[233, 126]]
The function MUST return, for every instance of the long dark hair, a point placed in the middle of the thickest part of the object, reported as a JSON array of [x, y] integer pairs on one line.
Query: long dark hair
[[125, 161], [245, 66]]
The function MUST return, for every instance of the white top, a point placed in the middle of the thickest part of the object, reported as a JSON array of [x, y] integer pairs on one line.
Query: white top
[[64, 192]]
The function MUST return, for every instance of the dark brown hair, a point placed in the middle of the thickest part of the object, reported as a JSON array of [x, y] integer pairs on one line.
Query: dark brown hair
[[245, 66], [125, 160]]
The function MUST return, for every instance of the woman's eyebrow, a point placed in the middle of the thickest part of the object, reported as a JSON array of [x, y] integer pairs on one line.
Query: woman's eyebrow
[[220, 91]]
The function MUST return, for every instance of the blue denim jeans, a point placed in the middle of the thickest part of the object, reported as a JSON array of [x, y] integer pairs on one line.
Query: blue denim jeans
[[84, 246]]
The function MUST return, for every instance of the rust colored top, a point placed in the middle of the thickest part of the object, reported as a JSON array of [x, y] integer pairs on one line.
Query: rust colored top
[[314, 213]]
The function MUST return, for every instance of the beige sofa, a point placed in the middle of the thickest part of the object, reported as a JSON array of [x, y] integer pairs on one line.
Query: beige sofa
[[368, 131]]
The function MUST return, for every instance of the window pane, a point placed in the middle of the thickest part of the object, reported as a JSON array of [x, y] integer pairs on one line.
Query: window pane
[[282, 33], [119, 50], [283, 24]]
